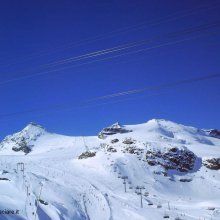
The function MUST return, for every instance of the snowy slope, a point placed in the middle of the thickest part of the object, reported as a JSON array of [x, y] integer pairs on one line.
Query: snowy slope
[[168, 161]]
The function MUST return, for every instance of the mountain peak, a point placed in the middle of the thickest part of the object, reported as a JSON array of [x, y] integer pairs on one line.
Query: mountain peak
[[24, 140], [159, 120], [33, 125], [33, 129]]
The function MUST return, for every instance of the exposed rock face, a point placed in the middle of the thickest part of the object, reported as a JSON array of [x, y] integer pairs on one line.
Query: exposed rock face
[[214, 133], [108, 148], [213, 163], [211, 132], [23, 140], [128, 141], [111, 149], [114, 141], [133, 150], [113, 129], [87, 154], [21, 145], [179, 159]]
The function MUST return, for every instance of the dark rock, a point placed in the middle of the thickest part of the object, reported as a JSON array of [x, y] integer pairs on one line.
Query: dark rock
[[4, 172], [130, 150], [111, 149], [43, 202], [214, 133], [179, 159], [185, 180], [113, 129], [22, 147], [174, 149], [114, 141], [128, 141], [213, 163], [87, 154], [133, 150], [211, 208], [160, 173], [4, 179], [151, 162]]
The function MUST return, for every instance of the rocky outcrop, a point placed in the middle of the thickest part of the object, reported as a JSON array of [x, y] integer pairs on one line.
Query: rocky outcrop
[[133, 150], [185, 180], [87, 154], [23, 140], [179, 159], [114, 141], [43, 202], [128, 141], [113, 129], [4, 179], [212, 163], [21, 145], [214, 133], [111, 149]]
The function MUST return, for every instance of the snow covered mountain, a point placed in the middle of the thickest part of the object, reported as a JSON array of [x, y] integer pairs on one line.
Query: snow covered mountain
[[155, 170], [24, 140]]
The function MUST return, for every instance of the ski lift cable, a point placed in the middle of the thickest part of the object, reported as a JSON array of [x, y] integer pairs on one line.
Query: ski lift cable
[[98, 60], [163, 19], [93, 102]]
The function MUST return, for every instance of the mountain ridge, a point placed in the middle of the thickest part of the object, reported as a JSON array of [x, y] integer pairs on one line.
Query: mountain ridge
[[157, 169], [161, 127]]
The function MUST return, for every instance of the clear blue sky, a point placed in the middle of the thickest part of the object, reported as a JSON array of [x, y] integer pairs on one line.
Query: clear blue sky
[[35, 33]]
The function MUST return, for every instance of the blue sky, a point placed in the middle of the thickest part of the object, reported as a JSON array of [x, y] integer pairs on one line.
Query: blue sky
[[36, 33]]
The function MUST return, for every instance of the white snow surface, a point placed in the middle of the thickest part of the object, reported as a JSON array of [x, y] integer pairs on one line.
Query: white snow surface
[[93, 189]]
